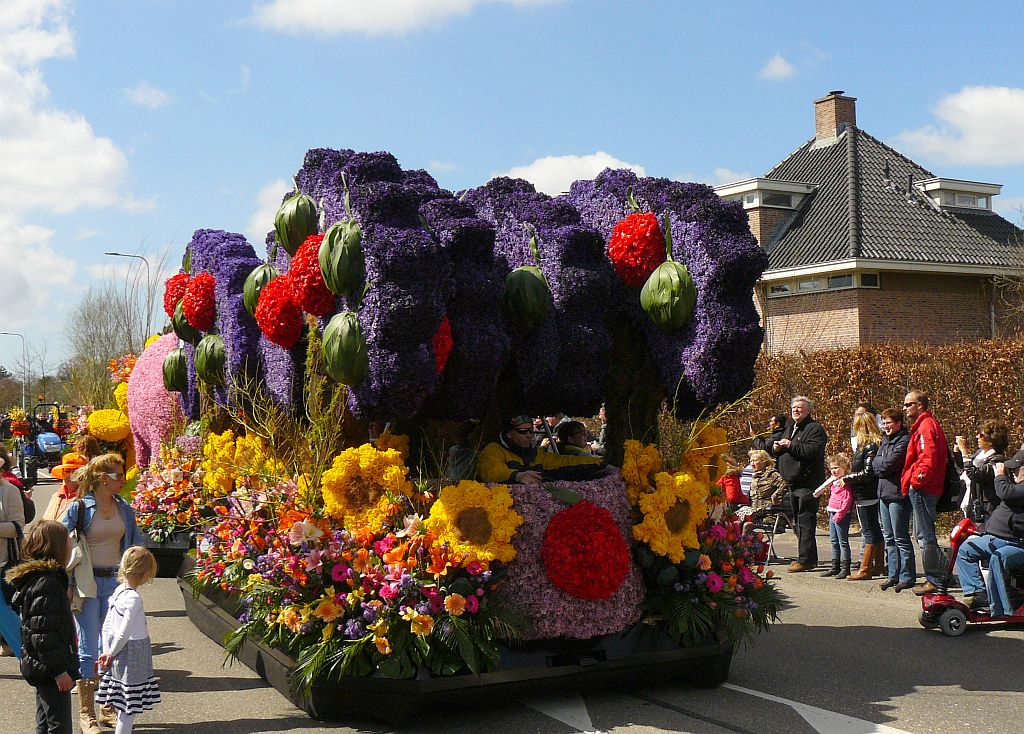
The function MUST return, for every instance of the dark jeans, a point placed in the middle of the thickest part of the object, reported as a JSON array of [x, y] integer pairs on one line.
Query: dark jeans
[[805, 512], [53, 710], [870, 528]]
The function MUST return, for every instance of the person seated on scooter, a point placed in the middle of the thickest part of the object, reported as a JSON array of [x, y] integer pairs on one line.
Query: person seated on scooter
[[1002, 544]]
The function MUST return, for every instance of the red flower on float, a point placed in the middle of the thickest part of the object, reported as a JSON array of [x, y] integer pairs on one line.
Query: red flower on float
[[584, 552], [636, 248], [442, 344], [174, 291], [198, 304], [278, 313], [310, 289]]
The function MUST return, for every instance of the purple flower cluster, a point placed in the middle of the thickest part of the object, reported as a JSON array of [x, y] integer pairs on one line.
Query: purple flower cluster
[[711, 359], [562, 363], [528, 593]]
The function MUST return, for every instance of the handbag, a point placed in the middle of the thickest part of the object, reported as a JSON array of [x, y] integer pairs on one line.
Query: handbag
[[13, 556], [83, 583], [953, 488]]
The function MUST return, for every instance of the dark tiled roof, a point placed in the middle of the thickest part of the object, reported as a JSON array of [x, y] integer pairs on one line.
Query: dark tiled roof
[[861, 208]]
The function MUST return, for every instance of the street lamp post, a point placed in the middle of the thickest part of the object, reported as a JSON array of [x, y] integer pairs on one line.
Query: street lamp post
[[24, 363], [149, 306]]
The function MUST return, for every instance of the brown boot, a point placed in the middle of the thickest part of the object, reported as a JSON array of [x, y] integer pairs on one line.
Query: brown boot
[[107, 716], [86, 706], [866, 565], [880, 567]]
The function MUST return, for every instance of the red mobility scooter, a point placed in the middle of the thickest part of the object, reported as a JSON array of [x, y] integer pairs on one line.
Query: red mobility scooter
[[941, 610]]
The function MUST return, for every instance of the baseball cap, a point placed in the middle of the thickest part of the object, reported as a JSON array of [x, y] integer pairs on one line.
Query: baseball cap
[[1016, 462]]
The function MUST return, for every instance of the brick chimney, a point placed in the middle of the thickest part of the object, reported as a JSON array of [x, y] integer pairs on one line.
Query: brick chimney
[[833, 113]]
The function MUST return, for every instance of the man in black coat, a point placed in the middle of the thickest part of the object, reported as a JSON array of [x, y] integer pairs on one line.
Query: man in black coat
[[801, 461]]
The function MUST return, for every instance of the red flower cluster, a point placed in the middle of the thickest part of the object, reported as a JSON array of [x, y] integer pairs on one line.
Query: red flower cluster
[[278, 313], [174, 291], [442, 344], [636, 248], [198, 305], [310, 290], [584, 552]]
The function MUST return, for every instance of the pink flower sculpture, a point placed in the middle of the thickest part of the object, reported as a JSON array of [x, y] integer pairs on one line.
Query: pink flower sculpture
[[152, 410]]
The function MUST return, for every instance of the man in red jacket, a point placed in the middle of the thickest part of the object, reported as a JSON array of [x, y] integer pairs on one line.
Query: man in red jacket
[[923, 478]]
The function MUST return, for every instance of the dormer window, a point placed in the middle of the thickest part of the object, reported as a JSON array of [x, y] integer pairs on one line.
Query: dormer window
[[765, 192], [951, 192]]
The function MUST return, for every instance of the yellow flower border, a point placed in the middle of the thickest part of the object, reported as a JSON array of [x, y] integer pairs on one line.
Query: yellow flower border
[[384, 469], [496, 501], [654, 531]]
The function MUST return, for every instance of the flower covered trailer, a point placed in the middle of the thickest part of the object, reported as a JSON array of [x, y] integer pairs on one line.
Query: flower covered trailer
[[350, 566]]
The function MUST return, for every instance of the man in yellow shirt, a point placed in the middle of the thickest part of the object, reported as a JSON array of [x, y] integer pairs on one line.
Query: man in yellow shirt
[[512, 459]]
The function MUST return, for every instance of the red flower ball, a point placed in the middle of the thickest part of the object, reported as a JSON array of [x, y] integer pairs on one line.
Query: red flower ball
[[174, 291], [278, 313], [312, 293], [199, 306], [442, 344], [636, 248], [584, 552]]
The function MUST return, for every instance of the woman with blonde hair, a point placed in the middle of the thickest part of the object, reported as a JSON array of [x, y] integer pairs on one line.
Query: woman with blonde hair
[[108, 524], [864, 483]]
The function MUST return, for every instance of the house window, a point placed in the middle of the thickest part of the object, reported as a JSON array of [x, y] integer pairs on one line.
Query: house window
[[813, 284], [966, 200], [779, 289], [750, 199], [840, 281], [775, 198], [869, 280]]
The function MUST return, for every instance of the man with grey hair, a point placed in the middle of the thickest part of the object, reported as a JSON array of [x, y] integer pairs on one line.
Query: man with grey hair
[[801, 461]]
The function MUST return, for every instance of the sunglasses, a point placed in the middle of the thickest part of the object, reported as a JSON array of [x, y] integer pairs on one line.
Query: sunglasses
[[113, 475], [912, 402], [523, 431]]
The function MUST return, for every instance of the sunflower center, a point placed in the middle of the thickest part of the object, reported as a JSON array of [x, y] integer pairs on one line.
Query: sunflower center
[[677, 516], [475, 525], [362, 492]]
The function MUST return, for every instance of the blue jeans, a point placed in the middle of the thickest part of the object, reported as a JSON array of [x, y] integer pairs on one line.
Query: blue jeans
[[839, 534], [870, 530], [10, 627], [89, 622], [924, 528], [895, 517], [1003, 556]]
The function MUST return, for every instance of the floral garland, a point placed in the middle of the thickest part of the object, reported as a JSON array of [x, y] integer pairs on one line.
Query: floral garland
[[672, 514], [198, 304], [640, 463], [475, 521], [174, 291], [584, 552], [636, 248], [308, 280], [278, 312], [362, 487]]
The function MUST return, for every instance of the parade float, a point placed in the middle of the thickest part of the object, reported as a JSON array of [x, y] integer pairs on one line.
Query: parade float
[[300, 416]]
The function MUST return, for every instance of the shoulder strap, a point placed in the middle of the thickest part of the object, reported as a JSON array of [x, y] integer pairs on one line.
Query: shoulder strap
[[80, 523]]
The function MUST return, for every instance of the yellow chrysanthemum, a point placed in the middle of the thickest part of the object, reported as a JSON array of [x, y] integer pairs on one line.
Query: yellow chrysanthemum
[[475, 520], [132, 473], [361, 487], [639, 465], [399, 442], [671, 515], [702, 453], [230, 461], [150, 340], [110, 425], [121, 396]]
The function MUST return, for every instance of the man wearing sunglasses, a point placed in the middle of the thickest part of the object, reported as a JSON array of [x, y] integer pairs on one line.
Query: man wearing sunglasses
[[513, 459], [923, 479]]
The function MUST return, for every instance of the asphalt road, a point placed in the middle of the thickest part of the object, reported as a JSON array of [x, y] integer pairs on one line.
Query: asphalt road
[[846, 659]]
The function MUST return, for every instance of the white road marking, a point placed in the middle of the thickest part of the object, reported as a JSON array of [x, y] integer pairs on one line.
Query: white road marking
[[823, 721]]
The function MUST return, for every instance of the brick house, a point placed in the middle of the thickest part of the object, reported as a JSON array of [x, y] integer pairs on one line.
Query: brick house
[[866, 246]]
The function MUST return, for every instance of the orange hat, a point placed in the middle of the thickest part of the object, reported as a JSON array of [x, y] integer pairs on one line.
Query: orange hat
[[69, 463]]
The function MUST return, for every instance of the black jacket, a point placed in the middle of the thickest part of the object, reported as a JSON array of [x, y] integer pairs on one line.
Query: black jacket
[[47, 626], [888, 464], [1007, 520], [865, 487], [767, 443], [803, 463]]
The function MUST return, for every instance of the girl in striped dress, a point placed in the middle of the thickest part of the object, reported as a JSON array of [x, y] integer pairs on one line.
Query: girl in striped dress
[[128, 684]]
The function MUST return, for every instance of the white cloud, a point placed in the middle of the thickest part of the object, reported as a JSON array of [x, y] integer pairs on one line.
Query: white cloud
[[87, 233], [777, 68], [977, 126], [36, 277], [146, 95], [268, 201], [378, 17], [554, 174]]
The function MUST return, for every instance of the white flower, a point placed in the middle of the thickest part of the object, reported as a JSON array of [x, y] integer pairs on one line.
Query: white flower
[[304, 531]]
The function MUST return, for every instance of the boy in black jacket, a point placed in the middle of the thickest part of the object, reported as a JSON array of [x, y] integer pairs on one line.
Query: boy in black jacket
[[49, 660]]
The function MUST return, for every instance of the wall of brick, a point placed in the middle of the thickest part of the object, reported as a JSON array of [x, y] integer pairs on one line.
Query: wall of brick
[[831, 113], [765, 220]]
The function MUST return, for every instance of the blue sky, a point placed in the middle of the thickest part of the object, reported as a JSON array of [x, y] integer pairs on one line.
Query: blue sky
[[127, 124]]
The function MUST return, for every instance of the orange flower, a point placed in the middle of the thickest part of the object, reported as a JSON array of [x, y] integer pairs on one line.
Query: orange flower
[[396, 554], [423, 624], [328, 611], [361, 562], [383, 646], [455, 604]]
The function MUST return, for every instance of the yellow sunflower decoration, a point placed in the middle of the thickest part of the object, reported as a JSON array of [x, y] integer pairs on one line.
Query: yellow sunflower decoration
[[362, 487], [110, 425], [671, 515], [475, 520], [639, 465], [702, 454]]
